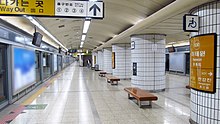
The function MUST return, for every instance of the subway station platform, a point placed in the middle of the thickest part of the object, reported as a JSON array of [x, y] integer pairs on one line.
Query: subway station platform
[[77, 95]]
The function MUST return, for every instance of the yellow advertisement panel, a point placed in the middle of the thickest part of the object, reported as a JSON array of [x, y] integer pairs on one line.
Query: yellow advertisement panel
[[94, 60], [203, 62], [113, 60], [27, 7]]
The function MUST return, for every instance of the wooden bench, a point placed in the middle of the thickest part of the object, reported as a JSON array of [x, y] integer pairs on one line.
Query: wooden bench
[[102, 74], [111, 79], [140, 95]]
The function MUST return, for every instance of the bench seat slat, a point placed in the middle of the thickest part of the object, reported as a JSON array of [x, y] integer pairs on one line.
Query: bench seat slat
[[140, 94], [112, 78]]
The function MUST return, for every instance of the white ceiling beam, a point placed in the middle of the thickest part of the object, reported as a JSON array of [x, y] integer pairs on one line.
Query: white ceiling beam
[[171, 10]]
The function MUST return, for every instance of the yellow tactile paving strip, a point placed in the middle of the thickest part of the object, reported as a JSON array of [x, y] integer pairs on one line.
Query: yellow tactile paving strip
[[41, 90]]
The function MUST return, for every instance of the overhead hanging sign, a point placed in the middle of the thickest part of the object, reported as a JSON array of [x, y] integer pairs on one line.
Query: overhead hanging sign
[[191, 23], [27, 7], [51, 8], [203, 51]]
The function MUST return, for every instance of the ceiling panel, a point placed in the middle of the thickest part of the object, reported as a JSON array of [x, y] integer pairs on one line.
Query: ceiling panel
[[119, 16]]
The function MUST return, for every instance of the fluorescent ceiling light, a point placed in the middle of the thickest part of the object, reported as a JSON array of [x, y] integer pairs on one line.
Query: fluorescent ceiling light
[[115, 36], [171, 43], [82, 43], [83, 37], [36, 23], [138, 21], [86, 26]]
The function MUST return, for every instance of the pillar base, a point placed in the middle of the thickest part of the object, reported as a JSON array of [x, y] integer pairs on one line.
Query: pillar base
[[157, 91], [192, 122]]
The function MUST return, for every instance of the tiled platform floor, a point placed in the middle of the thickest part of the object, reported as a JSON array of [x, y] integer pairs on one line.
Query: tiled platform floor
[[79, 95]]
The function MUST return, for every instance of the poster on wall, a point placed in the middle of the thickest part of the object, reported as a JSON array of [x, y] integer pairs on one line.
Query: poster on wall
[[134, 69], [54, 62], [94, 60], [113, 60], [24, 74], [203, 49]]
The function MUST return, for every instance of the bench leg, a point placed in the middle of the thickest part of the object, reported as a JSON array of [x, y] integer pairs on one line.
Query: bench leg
[[112, 83], [139, 103], [129, 96], [150, 103], [108, 81]]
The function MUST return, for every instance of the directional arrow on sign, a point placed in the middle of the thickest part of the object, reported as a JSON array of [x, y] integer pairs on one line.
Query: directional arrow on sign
[[94, 8], [210, 74]]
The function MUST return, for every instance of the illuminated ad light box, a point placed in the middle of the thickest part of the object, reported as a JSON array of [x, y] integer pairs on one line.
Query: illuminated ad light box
[[24, 74], [55, 63], [203, 49], [113, 60]]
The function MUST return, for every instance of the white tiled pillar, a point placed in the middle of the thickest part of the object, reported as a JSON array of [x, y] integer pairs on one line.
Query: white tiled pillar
[[107, 57], [205, 107], [100, 60], [80, 61], [149, 54], [94, 58], [122, 60]]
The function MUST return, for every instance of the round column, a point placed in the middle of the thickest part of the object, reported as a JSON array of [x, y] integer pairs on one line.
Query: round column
[[107, 60], [205, 107], [100, 60], [148, 55], [122, 60], [94, 58]]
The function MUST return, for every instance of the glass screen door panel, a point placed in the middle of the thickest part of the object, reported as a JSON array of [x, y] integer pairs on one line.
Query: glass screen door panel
[[37, 66], [3, 72]]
